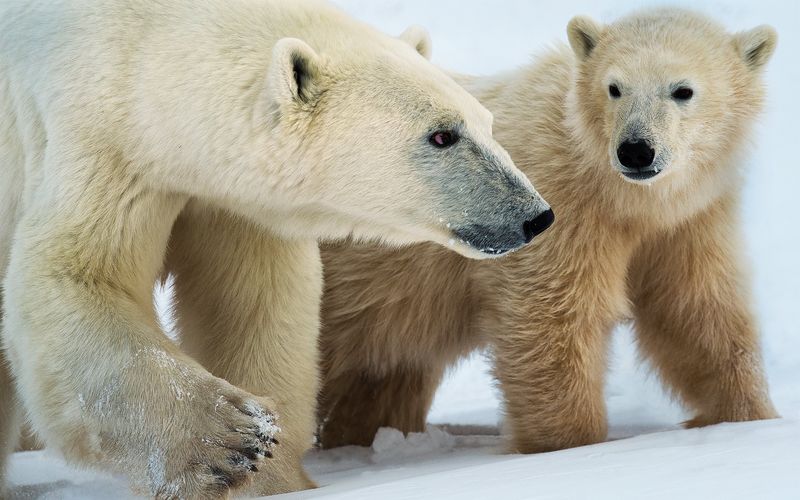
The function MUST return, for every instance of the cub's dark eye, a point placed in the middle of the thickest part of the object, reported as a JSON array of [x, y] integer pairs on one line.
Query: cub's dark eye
[[682, 93], [443, 138], [614, 92]]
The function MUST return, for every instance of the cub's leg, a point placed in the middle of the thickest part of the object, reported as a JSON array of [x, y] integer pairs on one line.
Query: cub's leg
[[247, 308], [551, 321], [28, 441], [694, 319], [98, 378], [393, 320], [360, 403]]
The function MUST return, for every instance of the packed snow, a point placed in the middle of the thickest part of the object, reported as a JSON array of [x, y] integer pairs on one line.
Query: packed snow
[[648, 454]]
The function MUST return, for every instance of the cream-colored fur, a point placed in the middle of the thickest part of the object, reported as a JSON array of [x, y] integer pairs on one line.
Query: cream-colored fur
[[128, 128], [666, 250]]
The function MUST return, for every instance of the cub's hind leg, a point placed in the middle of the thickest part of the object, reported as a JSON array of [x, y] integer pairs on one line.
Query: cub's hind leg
[[393, 321], [357, 404]]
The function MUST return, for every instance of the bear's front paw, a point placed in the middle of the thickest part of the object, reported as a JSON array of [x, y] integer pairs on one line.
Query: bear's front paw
[[233, 433]]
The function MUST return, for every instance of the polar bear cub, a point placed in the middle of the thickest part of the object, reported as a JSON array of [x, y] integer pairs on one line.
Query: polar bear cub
[[635, 135]]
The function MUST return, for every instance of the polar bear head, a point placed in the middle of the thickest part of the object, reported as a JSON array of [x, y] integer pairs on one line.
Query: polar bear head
[[668, 94], [383, 145]]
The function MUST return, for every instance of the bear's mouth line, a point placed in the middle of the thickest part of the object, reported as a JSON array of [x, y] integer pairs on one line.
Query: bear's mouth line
[[641, 175], [646, 175], [496, 252], [488, 250], [486, 245]]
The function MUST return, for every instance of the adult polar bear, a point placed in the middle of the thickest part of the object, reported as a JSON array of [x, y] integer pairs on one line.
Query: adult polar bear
[[118, 118], [634, 137]]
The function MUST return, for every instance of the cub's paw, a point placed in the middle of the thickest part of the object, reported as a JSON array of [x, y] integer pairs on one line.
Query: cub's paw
[[764, 412], [698, 421]]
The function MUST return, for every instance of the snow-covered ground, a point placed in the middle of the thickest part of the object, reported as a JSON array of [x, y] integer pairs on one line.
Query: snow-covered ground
[[648, 455]]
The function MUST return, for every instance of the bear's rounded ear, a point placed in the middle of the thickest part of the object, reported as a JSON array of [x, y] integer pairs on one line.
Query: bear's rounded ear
[[293, 71], [419, 39], [756, 46], [583, 34]]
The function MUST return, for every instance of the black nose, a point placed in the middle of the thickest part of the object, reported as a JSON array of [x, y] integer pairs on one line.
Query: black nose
[[636, 155], [538, 225]]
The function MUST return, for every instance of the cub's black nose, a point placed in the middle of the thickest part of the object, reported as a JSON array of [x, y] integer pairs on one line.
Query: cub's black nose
[[538, 225], [636, 155]]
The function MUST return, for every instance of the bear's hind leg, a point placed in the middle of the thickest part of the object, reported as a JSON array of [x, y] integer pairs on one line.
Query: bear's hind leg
[[247, 307], [694, 322], [10, 418], [11, 165]]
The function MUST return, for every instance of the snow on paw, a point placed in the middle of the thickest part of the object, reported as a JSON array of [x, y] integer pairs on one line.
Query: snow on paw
[[228, 435], [252, 418]]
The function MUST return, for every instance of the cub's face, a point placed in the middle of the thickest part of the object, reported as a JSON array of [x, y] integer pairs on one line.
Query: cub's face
[[394, 150], [668, 93]]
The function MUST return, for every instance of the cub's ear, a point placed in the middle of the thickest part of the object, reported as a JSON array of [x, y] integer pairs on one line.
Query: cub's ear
[[756, 46], [419, 39], [293, 72], [583, 34]]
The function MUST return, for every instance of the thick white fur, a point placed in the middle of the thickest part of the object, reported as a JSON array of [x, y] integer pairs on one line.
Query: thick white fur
[[118, 118]]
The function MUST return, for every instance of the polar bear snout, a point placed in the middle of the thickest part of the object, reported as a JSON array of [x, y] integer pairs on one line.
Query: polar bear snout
[[496, 240], [510, 213], [636, 157], [636, 154]]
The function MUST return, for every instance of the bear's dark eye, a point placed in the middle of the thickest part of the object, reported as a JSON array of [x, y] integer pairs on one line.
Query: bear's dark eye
[[614, 92], [682, 93], [443, 138]]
